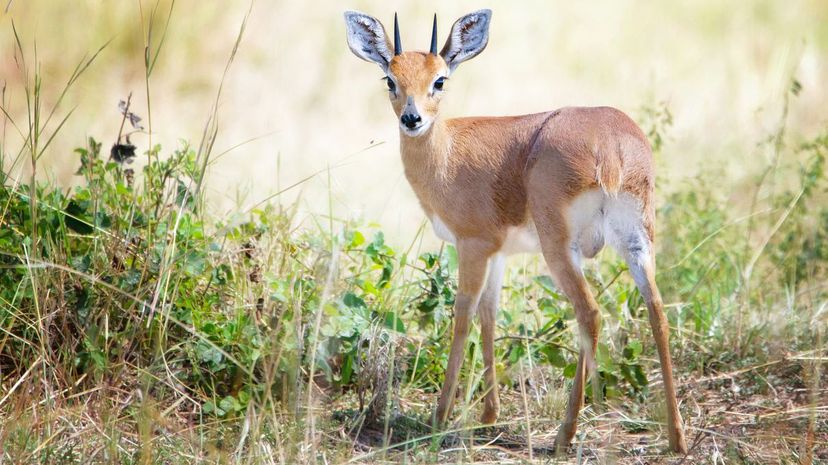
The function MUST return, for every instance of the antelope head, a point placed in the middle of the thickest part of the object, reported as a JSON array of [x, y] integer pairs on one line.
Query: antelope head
[[417, 80]]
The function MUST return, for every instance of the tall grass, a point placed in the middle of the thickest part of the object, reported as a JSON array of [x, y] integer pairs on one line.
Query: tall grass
[[137, 328]]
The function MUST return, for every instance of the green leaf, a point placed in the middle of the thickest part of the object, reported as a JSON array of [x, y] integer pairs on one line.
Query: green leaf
[[451, 258], [77, 220], [375, 247], [102, 220], [211, 407], [230, 404], [347, 370], [633, 349], [195, 263], [385, 279], [131, 279], [279, 290], [548, 285], [428, 304], [640, 376], [392, 321], [99, 359], [429, 259], [353, 301], [210, 354], [355, 239], [603, 358], [81, 263], [516, 353], [554, 355]]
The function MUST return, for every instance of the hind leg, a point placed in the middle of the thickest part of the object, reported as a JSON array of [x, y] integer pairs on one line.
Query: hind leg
[[633, 243], [571, 280], [557, 217], [561, 259]]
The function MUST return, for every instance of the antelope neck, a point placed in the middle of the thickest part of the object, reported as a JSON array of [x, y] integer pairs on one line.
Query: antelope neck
[[426, 157]]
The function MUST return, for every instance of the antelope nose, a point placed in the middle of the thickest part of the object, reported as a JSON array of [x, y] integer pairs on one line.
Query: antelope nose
[[410, 120]]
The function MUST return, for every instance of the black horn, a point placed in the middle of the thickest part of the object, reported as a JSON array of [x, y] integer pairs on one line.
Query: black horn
[[434, 36], [397, 44]]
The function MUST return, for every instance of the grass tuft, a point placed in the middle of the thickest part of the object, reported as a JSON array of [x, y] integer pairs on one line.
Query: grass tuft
[[135, 327]]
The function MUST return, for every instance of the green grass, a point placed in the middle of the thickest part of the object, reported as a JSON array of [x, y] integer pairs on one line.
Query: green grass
[[135, 327]]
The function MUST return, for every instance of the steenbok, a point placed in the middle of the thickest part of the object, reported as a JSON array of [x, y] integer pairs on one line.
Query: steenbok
[[562, 183]]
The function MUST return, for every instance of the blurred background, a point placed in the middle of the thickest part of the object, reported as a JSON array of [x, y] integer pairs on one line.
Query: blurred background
[[297, 102]]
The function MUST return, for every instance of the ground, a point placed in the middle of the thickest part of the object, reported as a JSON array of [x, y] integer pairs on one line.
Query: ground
[[758, 414]]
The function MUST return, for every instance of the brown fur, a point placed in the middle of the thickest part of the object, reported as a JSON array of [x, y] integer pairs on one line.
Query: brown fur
[[483, 175]]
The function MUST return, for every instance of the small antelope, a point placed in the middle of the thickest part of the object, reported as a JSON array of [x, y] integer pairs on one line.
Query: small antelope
[[562, 182]]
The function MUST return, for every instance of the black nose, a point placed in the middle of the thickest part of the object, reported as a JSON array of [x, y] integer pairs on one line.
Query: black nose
[[410, 120]]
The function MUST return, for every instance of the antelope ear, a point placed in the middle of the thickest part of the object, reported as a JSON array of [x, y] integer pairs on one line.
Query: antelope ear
[[367, 38], [468, 37]]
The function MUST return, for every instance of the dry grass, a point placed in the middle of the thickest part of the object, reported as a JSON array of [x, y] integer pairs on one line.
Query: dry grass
[[757, 414], [231, 293]]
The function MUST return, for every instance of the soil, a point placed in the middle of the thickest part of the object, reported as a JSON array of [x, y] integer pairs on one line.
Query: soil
[[769, 413]]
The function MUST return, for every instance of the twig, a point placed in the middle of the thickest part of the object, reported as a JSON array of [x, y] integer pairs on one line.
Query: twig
[[531, 338], [731, 374], [123, 120], [20, 380], [614, 278]]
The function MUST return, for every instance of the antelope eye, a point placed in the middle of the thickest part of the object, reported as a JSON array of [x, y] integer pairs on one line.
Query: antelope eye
[[438, 84], [391, 86]]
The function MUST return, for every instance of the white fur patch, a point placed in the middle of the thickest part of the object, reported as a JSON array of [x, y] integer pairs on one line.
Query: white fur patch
[[586, 223], [442, 230], [595, 218], [494, 280], [521, 239]]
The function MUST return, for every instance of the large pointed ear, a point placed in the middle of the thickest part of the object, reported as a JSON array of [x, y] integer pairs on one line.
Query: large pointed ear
[[367, 38], [468, 37]]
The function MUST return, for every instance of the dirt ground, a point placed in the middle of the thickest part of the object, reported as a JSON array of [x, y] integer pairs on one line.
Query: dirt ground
[[769, 413]]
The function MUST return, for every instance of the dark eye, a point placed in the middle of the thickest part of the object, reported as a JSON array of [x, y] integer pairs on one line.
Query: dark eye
[[391, 86], [438, 84]]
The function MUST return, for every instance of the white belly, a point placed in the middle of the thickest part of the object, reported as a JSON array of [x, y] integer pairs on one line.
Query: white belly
[[519, 239], [442, 230], [593, 217]]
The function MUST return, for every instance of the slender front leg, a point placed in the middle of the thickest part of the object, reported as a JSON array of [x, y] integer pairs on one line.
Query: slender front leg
[[472, 256], [487, 309]]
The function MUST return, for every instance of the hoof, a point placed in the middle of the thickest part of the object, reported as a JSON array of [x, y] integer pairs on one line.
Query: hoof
[[677, 443], [439, 418], [489, 417], [564, 437]]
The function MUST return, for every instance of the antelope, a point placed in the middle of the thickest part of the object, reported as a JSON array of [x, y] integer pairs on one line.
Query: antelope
[[563, 183]]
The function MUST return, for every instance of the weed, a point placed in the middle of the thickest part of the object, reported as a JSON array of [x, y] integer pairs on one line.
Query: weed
[[135, 327]]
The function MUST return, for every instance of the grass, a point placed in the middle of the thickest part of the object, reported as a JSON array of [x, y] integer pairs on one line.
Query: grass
[[137, 327]]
